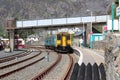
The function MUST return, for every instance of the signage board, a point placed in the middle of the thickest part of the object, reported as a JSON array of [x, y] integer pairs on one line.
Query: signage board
[[109, 25], [118, 11]]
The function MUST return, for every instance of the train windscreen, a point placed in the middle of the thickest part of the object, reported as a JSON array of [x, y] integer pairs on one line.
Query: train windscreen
[[68, 37], [58, 37]]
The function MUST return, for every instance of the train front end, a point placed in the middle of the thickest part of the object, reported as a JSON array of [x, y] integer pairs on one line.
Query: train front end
[[64, 42]]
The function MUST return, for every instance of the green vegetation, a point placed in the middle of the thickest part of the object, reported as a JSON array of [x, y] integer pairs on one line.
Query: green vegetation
[[116, 5], [2, 31], [97, 29], [24, 33]]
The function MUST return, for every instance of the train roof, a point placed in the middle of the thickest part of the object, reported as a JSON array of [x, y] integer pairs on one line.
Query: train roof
[[52, 36], [63, 33]]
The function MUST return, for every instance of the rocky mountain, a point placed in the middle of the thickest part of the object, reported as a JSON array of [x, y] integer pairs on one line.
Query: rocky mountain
[[42, 9]]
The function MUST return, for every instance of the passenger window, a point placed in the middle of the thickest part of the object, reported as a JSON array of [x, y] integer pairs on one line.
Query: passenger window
[[68, 37], [58, 37], [53, 40]]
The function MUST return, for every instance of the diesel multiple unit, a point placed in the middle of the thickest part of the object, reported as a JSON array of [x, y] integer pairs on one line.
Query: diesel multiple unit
[[60, 42]]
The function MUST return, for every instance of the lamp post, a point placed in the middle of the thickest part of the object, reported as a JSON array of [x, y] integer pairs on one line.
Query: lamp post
[[83, 35], [91, 18], [113, 5]]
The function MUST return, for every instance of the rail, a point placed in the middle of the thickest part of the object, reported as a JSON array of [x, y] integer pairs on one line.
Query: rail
[[2, 75], [42, 74], [66, 75], [11, 57], [11, 64]]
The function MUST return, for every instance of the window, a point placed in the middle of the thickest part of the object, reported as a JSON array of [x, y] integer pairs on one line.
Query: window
[[58, 37], [68, 37]]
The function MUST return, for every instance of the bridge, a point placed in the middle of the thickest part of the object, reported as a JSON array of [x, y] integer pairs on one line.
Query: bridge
[[61, 21], [86, 22]]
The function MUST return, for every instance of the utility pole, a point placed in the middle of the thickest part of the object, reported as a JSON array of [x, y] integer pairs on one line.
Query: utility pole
[[113, 6], [91, 13], [119, 18]]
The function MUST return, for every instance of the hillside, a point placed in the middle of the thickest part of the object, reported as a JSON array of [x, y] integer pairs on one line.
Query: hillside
[[40, 9]]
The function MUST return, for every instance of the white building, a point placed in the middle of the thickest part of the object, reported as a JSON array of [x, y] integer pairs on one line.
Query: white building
[[32, 38]]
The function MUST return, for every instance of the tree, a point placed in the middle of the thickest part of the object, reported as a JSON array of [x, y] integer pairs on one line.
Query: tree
[[109, 10]]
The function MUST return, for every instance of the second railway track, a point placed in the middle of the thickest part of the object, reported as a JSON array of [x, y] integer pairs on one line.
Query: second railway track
[[18, 69], [8, 58], [59, 70], [11, 68]]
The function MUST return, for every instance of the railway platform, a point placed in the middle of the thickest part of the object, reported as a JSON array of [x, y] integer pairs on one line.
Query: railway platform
[[90, 65], [90, 56]]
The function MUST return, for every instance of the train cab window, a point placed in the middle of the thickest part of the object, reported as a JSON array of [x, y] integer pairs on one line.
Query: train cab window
[[19, 42], [58, 37], [68, 37]]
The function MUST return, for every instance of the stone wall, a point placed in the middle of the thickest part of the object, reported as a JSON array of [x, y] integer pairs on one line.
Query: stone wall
[[112, 56], [99, 45]]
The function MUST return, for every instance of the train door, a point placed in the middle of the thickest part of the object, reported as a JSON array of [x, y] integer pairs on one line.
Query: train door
[[58, 40], [69, 41], [63, 40], [19, 43]]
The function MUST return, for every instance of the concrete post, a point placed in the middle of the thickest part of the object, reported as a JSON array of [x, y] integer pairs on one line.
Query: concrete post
[[88, 30], [119, 18], [119, 24], [11, 34]]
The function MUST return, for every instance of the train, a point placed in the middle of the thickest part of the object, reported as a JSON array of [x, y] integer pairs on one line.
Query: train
[[2, 45], [19, 43], [60, 42], [5, 42]]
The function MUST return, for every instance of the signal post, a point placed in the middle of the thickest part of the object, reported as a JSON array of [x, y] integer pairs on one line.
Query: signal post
[[10, 27]]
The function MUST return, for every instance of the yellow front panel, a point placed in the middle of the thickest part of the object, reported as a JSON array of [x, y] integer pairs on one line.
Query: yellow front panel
[[63, 41], [69, 42], [58, 42]]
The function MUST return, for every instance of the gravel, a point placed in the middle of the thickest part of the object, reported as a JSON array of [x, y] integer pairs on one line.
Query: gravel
[[31, 71], [59, 70]]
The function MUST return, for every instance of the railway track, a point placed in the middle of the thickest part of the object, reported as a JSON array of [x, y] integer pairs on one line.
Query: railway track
[[53, 71], [11, 70], [66, 75], [20, 61], [41, 48], [27, 73], [17, 66], [11, 57]]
